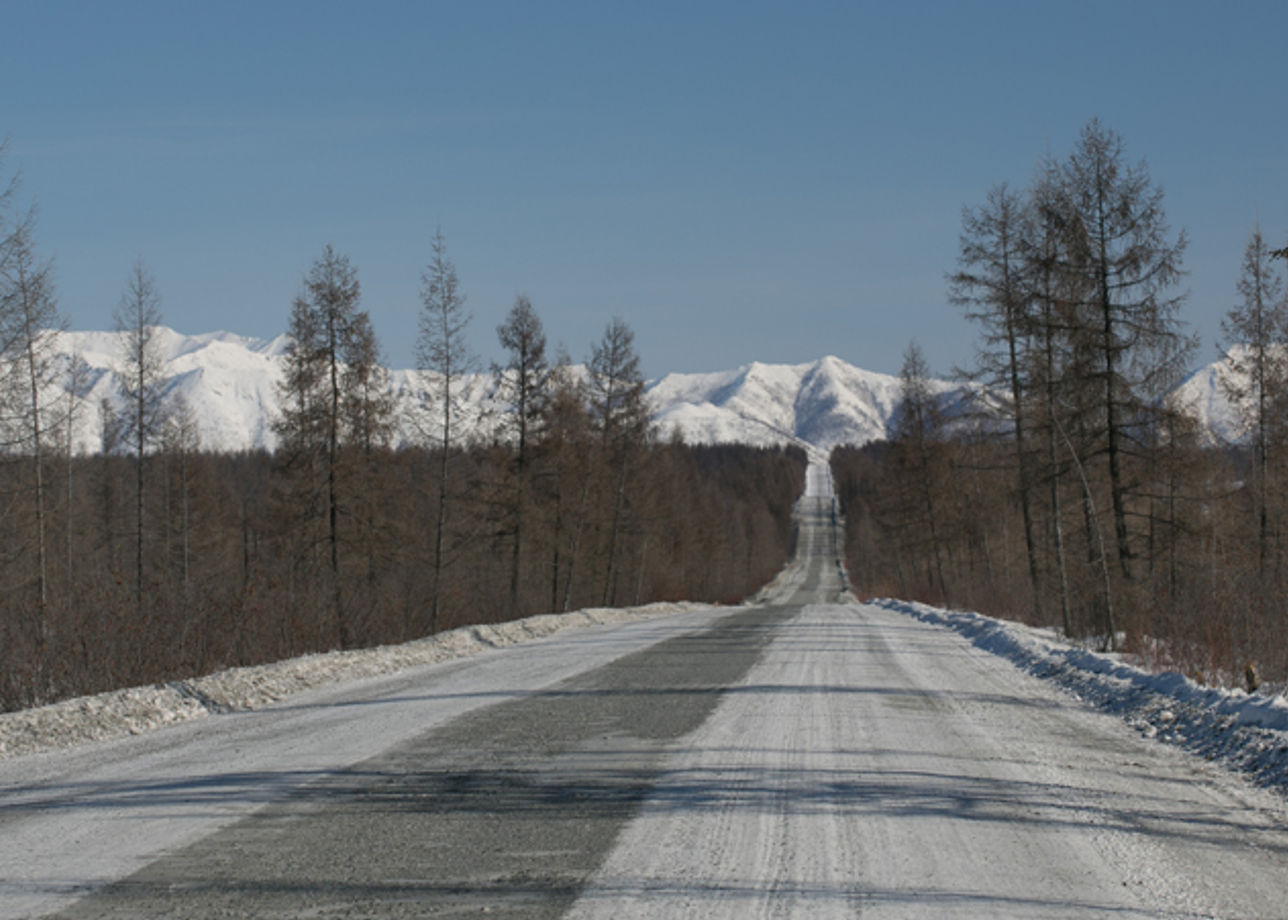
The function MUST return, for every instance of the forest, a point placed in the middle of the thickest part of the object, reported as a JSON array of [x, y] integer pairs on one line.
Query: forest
[[158, 557], [1073, 490], [1076, 491]]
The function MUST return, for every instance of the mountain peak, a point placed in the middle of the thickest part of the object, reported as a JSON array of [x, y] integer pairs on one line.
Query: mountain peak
[[230, 384]]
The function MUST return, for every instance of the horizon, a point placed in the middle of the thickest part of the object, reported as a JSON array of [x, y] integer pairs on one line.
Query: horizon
[[710, 406], [482, 372], [734, 181], [1198, 368]]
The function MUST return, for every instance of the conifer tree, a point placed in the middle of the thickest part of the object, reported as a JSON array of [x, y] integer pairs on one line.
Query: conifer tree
[[442, 350], [1129, 324], [330, 337], [522, 387], [1256, 333], [138, 316], [990, 286], [917, 431], [29, 320], [619, 411]]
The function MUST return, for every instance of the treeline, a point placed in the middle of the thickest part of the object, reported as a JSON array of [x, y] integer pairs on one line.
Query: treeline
[[159, 558], [1079, 493], [237, 573]]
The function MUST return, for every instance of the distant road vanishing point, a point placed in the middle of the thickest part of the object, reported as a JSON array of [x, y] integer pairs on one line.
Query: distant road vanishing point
[[802, 755]]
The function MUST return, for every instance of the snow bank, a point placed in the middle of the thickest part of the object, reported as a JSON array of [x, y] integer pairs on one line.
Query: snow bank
[[141, 709], [1247, 732]]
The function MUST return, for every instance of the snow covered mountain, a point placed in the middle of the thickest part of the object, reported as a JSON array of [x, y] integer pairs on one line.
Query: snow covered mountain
[[229, 383], [1203, 395], [822, 404]]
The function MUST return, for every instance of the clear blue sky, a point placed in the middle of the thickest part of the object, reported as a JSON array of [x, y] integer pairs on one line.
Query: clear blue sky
[[740, 181]]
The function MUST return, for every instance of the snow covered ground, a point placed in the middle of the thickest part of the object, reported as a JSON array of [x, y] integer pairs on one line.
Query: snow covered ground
[[78, 815], [140, 709], [135, 710], [802, 756], [874, 764], [1246, 732]]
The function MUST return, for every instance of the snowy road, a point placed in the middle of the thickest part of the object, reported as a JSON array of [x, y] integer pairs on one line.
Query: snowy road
[[799, 757]]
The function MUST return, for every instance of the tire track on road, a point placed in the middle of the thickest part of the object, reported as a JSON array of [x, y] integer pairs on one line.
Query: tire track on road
[[509, 808]]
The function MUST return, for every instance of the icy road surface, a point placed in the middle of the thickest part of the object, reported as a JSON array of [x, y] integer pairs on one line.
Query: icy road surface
[[800, 757]]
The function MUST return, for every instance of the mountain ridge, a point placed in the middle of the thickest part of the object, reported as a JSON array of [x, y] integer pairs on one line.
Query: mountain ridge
[[229, 383]]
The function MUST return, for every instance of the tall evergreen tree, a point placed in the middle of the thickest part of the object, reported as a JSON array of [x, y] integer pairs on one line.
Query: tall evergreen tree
[[1130, 325], [523, 387], [29, 320], [442, 350], [329, 334], [565, 445], [619, 411], [1256, 352], [918, 429], [990, 287], [368, 399], [138, 316], [1051, 294], [181, 441]]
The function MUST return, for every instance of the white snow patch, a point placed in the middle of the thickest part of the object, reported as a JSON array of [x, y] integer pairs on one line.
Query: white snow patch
[[1205, 396], [140, 709], [230, 384], [1246, 732]]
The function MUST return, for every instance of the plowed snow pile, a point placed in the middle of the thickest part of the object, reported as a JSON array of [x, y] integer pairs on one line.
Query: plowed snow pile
[[140, 709], [1247, 732]]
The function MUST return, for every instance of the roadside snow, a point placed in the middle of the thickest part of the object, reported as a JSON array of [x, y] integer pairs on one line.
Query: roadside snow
[[1245, 732], [140, 709]]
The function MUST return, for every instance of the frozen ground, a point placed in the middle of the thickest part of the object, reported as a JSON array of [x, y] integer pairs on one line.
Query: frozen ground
[[135, 710], [75, 818], [1246, 732], [871, 764], [140, 709], [801, 756]]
